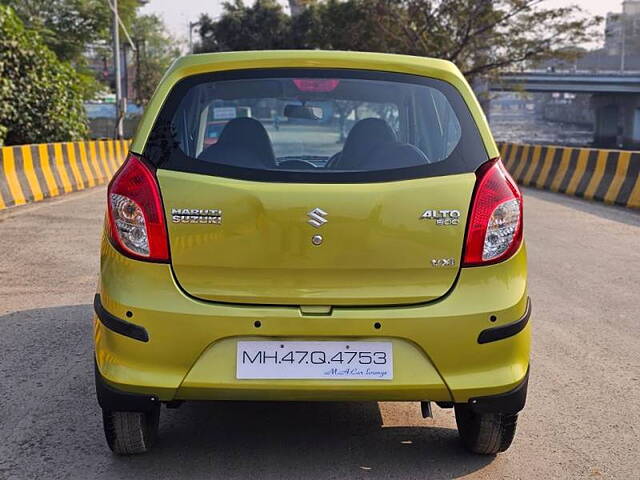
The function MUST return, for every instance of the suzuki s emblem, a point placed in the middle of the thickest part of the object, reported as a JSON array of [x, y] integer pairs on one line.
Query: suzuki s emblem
[[316, 217]]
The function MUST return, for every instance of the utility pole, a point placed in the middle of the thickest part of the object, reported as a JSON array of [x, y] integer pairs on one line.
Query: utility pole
[[296, 7], [191, 26], [119, 132], [624, 44]]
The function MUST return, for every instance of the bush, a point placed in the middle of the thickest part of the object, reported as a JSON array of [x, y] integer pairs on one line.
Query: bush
[[40, 97]]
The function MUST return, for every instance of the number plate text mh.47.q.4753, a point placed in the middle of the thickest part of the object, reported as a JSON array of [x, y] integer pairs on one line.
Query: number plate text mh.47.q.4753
[[315, 360]]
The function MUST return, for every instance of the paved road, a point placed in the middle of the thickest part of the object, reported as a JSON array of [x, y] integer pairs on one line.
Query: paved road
[[582, 419]]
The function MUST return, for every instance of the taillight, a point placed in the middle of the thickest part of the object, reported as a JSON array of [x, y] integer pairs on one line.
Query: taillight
[[136, 219], [494, 232]]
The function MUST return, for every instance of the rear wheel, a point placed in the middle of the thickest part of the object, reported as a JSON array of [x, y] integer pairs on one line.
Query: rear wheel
[[485, 433], [130, 433]]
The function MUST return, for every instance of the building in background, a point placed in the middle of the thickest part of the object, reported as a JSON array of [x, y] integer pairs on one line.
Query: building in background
[[622, 30]]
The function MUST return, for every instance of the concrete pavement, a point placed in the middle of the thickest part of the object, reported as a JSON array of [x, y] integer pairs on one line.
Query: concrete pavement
[[582, 419]]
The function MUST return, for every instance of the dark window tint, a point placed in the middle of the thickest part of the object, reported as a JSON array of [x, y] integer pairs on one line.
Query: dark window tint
[[305, 125]]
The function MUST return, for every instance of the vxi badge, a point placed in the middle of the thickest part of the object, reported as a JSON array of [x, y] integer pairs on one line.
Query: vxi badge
[[442, 217], [196, 215]]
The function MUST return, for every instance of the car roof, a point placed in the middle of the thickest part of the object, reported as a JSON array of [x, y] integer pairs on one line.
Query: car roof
[[189, 65], [199, 63]]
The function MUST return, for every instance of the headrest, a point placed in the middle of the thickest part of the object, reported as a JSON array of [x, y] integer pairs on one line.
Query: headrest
[[244, 142], [363, 137]]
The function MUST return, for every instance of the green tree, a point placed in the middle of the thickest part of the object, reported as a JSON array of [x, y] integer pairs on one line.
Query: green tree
[[40, 96], [155, 50], [344, 25], [69, 27], [481, 36], [262, 26]]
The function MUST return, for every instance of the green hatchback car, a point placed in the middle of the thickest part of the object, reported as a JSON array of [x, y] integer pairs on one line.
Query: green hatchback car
[[351, 236]]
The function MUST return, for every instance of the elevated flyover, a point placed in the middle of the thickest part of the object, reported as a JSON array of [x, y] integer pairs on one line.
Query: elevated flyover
[[573, 82], [615, 99]]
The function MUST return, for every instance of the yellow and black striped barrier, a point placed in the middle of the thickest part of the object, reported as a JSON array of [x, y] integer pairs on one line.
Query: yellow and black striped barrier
[[30, 173], [610, 176]]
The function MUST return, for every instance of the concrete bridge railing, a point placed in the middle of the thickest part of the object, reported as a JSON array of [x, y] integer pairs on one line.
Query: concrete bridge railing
[[609, 176], [30, 173]]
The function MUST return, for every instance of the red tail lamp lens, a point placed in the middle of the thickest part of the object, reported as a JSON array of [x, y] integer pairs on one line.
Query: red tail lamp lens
[[137, 225], [495, 223]]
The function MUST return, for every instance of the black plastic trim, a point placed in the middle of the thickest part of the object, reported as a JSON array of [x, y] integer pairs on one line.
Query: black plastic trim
[[114, 400], [508, 330], [510, 402], [118, 325]]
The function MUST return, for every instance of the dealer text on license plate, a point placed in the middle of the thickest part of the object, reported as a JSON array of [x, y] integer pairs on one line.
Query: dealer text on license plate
[[314, 360]]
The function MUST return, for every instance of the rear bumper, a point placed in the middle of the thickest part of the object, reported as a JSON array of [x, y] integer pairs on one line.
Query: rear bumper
[[441, 351], [110, 398]]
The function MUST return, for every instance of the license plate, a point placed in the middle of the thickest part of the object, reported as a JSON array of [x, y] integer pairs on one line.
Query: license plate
[[315, 360]]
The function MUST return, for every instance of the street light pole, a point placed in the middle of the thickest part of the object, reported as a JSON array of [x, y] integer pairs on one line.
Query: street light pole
[[191, 25], [190, 37], [116, 59], [624, 45]]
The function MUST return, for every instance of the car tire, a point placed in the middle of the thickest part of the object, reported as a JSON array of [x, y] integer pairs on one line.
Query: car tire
[[485, 433], [131, 433]]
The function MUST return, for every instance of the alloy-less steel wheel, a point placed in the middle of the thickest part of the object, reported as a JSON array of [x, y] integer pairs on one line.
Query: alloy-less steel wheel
[[130, 433], [485, 433]]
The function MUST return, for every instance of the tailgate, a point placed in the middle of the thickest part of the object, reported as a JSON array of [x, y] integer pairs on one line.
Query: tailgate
[[376, 249]]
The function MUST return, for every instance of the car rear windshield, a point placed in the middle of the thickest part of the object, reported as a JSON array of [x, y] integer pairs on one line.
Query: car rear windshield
[[315, 125]]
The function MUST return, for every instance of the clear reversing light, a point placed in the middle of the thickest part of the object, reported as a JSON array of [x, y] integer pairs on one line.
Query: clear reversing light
[[501, 229], [129, 221]]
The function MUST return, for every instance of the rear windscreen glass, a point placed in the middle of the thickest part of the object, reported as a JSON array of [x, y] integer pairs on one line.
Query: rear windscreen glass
[[319, 125]]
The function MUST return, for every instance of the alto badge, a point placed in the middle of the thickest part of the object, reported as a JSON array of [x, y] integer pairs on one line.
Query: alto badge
[[442, 217]]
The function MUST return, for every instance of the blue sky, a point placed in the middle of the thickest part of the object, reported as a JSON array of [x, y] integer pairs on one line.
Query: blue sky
[[177, 13]]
